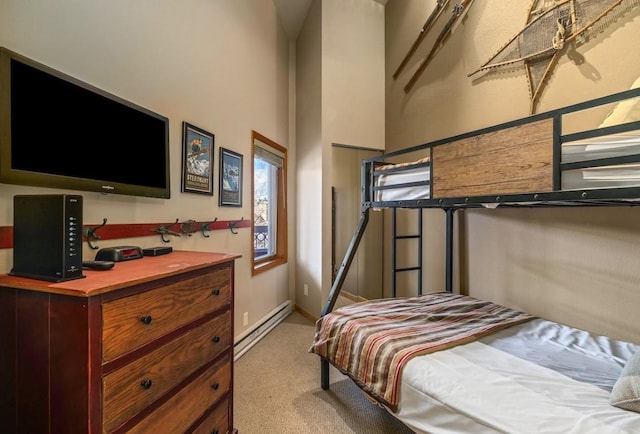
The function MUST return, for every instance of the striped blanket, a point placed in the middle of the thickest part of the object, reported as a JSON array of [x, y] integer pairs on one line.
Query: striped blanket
[[373, 340]]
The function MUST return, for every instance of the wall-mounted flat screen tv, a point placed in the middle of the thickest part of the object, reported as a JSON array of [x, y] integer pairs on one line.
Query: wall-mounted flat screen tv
[[56, 131]]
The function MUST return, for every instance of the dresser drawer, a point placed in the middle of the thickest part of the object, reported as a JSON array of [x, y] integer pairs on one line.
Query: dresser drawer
[[133, 321], [134, 386], [217, 422], [178, 413]]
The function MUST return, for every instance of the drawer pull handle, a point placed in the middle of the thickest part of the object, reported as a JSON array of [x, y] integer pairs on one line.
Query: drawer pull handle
[[215, 339], [215, 386], [215, 431], [146, 384], [146, 319], [216, 291]]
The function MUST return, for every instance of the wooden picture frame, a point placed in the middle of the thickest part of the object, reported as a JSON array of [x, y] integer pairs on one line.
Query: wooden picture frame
[[197, 160], [230, 183]]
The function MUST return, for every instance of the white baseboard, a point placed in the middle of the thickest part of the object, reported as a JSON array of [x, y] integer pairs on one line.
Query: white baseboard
[[248, 339]]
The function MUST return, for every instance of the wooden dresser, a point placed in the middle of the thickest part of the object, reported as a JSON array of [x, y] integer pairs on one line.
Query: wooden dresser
[[144, 347]]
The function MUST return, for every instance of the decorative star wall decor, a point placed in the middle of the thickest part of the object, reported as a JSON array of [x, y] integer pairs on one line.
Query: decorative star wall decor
[[550, 26]]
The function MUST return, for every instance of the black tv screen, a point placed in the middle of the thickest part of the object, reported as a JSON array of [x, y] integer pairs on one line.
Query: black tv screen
[[56, 131]]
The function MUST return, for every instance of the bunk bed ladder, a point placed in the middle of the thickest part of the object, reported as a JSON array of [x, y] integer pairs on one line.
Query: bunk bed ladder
[[394, 265]]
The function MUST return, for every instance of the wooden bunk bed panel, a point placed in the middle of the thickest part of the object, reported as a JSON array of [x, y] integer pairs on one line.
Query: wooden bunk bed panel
[[507, 161]]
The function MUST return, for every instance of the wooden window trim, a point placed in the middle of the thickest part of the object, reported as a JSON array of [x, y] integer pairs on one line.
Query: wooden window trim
[[264, 264]]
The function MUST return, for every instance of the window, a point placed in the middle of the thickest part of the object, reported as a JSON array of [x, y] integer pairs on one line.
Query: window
[[269, 202]]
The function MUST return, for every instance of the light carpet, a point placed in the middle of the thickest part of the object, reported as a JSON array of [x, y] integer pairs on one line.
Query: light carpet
[[277, 390]]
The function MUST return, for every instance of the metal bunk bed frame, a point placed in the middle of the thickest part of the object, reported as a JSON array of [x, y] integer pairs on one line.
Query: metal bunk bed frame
[[616, 196]]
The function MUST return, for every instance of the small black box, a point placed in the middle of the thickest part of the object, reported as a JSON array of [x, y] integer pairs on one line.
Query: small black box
[[157, 251], [47, 237]]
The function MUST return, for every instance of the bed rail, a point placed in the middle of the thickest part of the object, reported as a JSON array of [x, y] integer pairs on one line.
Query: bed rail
[[533, 163]]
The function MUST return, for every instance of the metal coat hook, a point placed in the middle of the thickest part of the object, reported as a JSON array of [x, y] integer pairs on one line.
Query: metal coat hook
[[163, 230], [204, 227], [233, 226], [90, 233]]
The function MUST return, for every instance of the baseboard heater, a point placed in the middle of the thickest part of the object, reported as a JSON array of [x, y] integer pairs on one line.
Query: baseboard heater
[[248, 339]]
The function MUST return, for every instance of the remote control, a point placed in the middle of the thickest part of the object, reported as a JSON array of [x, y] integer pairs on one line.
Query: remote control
[[98, 265]]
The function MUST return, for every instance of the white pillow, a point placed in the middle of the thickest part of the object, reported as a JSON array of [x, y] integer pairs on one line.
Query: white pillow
[[626, 392], [627, 110]]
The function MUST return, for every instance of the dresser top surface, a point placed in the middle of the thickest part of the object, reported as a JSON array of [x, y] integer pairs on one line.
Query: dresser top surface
[[123, 274]]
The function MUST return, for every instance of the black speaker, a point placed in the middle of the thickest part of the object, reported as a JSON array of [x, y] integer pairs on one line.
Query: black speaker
[[47, 237]]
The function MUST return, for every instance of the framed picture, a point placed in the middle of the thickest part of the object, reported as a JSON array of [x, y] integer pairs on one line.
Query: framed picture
[[197, 160], [230, 178]]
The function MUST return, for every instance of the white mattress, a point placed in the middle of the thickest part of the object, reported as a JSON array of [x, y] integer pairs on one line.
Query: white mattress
[[402, 192], [481, 387], [615, 145]]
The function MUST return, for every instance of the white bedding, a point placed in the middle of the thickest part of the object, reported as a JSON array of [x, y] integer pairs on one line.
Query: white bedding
[[615, 145], [403, 192], [480, 388]]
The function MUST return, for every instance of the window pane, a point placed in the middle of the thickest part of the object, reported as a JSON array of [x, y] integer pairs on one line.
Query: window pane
[[265, 208]]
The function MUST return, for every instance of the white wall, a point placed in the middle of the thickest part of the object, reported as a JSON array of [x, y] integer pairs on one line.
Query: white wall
[[570, 265], [220, 65], [309, 160], [353, 92], [344, 80], [445, 102]]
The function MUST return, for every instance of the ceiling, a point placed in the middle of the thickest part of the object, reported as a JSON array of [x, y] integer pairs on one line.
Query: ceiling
[[292, 13]]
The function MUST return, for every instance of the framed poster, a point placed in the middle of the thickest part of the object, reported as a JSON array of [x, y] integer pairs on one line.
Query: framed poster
[[197, 160], [230, 178]]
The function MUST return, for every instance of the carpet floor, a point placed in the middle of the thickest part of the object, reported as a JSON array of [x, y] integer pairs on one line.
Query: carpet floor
[[277, 390]]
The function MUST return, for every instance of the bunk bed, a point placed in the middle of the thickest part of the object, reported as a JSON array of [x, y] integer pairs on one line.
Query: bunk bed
[[447, 362]]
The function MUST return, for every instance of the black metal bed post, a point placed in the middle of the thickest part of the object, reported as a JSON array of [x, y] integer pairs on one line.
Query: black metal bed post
[[394, 235], [337, 284], [448, 284], [324, 374], [420, 248]]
